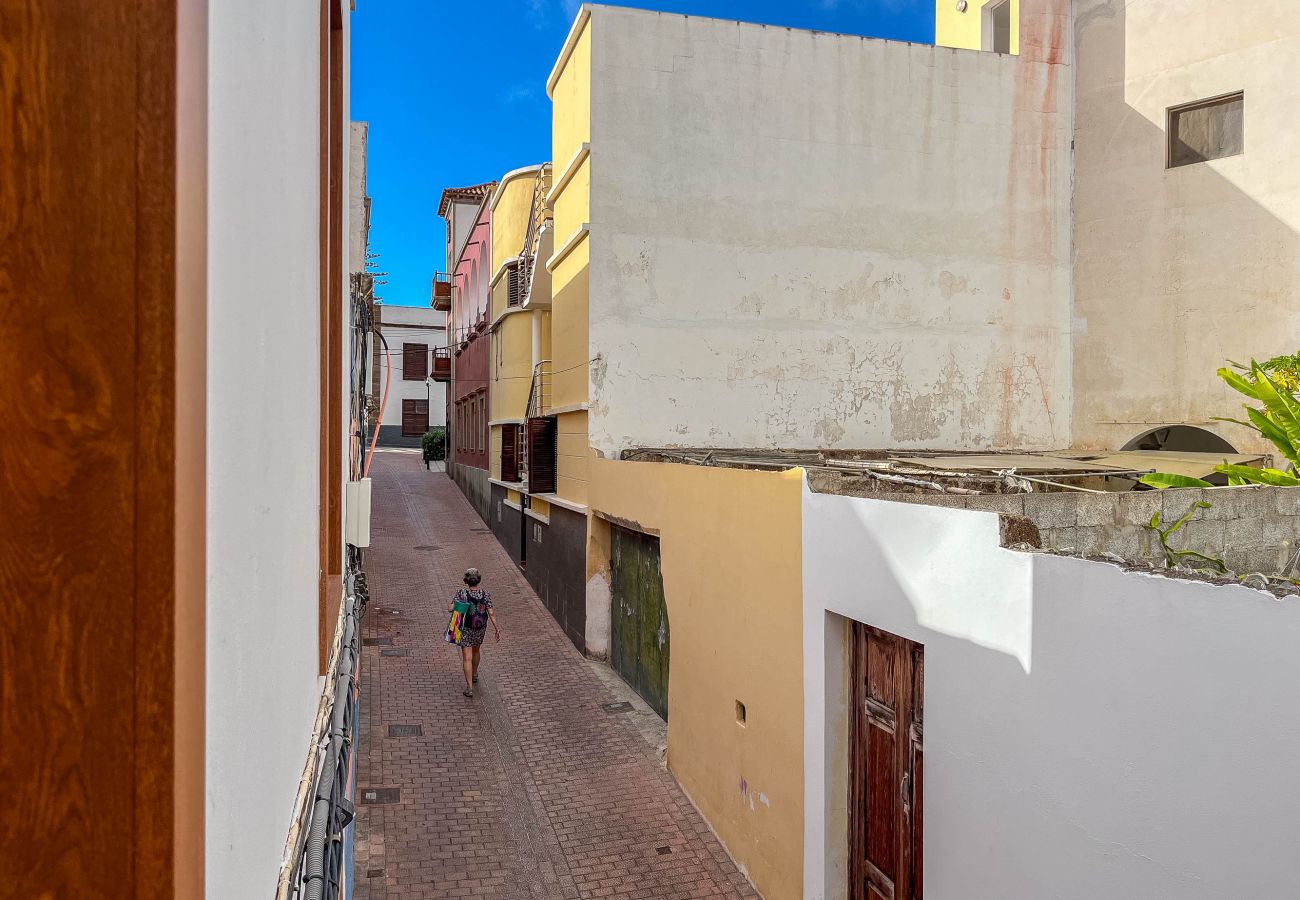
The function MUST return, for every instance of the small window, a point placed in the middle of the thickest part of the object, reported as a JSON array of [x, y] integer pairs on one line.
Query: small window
[[1207, 129], [997, 26], [415, 362]]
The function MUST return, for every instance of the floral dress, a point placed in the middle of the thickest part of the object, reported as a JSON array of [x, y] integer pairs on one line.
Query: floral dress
[[480, 601]]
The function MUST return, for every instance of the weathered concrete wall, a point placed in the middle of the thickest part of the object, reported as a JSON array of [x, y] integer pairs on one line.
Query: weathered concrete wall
[[1089, 732], [802, 239], [1179, 269], [1252, 529], [474, 484], [358, 201], [557, 562]]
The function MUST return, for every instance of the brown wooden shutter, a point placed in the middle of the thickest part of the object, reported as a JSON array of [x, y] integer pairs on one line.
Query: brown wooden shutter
[[515, 284], [541, 455], [509, 452], [886, 758], [415, 417], [415, 362]]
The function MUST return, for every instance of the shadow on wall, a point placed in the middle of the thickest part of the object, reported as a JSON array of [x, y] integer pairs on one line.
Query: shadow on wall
[[1088, 732], [1177, 269]]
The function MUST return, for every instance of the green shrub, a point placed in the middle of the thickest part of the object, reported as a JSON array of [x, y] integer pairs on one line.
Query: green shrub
[[434, 442]]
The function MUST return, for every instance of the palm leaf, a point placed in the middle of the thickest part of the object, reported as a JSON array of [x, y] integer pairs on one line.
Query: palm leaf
[[1251, 475], [1164, 480]]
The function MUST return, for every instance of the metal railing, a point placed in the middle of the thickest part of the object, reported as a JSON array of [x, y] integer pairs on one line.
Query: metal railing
[[319, 851], [539, 392]]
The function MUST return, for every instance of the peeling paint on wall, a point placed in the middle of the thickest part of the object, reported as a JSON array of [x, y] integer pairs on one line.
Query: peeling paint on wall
[[779, 271]]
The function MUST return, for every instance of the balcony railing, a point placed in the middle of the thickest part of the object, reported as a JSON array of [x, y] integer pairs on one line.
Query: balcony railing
[[440, 370], [442, 291]]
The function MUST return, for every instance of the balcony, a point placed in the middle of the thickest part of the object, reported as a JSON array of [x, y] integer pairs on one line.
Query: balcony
[[441, 370], [442, 292]]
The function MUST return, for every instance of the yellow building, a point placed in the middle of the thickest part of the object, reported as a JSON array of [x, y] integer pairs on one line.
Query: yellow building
[[992, 25]]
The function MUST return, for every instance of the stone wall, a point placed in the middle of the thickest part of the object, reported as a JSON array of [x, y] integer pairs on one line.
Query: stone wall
[[1252, 529]]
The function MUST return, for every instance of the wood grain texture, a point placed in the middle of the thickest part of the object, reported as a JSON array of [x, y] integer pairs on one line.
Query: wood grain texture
[[87, 236], [886, 756]]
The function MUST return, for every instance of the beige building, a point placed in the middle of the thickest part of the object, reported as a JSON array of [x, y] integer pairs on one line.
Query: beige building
[[1179, 267]]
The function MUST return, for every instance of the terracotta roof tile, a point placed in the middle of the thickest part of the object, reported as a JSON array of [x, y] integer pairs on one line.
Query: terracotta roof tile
[[474, 192]]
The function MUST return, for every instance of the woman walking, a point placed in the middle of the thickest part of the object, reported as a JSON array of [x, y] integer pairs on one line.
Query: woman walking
[[477, 618]]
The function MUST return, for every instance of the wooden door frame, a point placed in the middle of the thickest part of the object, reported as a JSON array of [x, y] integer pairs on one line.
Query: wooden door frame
[[103, 478], [333, 144]]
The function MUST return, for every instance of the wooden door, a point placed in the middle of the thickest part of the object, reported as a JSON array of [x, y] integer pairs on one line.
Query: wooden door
[[415, 417], [885, 828], [102, 544], [640, 638]]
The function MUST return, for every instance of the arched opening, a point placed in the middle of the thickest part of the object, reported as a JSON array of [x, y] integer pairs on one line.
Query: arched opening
[[1180, 438]]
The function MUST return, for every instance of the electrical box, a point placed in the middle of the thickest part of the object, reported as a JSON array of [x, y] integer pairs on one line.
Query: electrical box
[[356, 513]]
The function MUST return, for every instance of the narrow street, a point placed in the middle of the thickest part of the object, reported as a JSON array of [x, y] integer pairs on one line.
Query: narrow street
[[533, 789]]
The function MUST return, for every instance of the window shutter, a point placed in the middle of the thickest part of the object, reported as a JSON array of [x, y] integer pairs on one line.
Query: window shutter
[[541, 456], [514, 284], [509, 452], [415, 362]]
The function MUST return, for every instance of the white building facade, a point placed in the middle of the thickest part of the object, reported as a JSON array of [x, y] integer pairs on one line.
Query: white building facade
[[415, 402]]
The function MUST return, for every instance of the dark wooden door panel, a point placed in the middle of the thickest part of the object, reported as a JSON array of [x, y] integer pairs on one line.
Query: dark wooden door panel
[[885, 789], [640, 636]]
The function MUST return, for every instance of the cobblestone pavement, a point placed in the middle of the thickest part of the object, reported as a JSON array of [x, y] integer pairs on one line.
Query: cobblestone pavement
[[531, 789]]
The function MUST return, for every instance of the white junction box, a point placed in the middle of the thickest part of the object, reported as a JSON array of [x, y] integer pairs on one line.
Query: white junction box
[[356, 513]]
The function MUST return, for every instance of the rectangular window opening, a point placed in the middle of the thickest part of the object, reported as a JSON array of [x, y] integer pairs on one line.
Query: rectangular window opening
[[997, 26], [740, 713], [1205, 130]]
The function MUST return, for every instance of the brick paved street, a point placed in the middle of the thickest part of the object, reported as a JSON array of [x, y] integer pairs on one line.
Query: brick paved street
[[531, 789]]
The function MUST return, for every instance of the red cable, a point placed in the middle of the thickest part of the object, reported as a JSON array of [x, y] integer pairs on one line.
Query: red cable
[[383, 404]]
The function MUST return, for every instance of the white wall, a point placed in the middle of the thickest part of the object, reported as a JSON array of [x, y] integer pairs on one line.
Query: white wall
[[416, 325], [263, 426], [802, 239], [1088, 732], [1181, 269]]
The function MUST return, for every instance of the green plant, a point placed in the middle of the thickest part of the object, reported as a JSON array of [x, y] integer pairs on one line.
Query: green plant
[[434, 443], [1284, 370], [1174, 556], [1277, 419]]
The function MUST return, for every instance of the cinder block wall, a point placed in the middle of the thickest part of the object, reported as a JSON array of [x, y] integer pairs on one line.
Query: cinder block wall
[[1252, 529]]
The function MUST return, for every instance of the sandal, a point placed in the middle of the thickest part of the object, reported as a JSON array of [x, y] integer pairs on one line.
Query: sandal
[[468, 693]]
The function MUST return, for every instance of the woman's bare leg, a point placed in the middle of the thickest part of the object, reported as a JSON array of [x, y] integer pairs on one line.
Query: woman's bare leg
[[467, 658], [477, 657]]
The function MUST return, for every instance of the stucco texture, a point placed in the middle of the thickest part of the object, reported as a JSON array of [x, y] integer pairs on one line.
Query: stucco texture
[[777, 260], [1178, 270], [1089, 732], [730, 558]]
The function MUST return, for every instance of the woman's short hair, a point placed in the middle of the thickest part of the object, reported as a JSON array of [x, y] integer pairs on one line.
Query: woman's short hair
[[472, 577]]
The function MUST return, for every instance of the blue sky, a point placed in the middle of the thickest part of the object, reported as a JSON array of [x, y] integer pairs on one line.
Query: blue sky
[[455, 94]]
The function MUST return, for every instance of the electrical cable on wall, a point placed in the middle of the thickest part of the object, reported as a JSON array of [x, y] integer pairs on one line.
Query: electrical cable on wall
[[383, 404]]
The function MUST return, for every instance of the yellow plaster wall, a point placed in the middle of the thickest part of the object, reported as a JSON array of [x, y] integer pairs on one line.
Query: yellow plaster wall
[[573, 203], [965, 30], [511, 366], [572, 456], [731, 549], [513, 200], [570, 332], [571, 110]]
